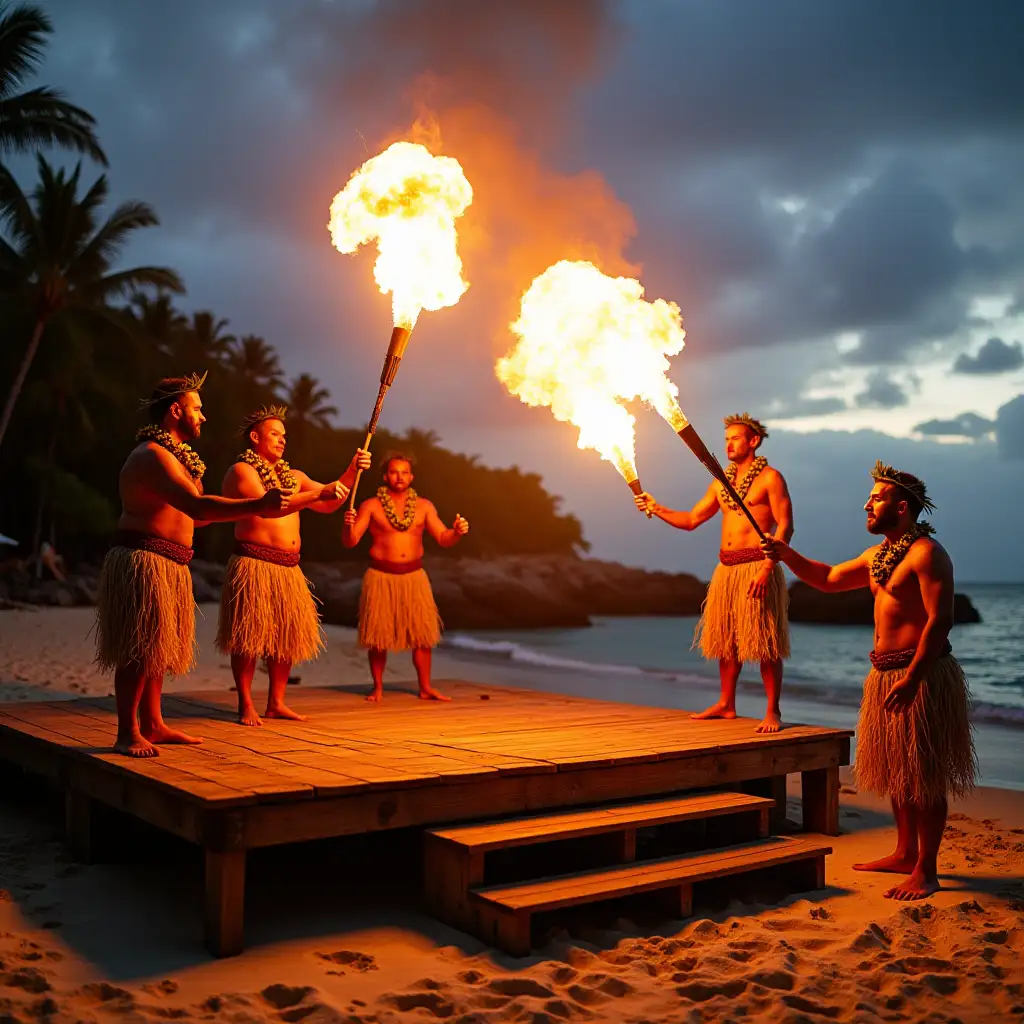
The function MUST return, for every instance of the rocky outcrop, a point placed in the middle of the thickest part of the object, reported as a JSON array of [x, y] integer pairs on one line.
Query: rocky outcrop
[[515, 592], [524, 592], [855, 607]]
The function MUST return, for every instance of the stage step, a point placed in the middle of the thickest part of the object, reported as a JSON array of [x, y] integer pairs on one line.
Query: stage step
[[455, 858], [503, 913], [501, 835]]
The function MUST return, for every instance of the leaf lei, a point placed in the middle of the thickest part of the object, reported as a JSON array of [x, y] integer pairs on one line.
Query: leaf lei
[[389, 508], [188, 457], [745, 484], [279, 476], [888, 556]]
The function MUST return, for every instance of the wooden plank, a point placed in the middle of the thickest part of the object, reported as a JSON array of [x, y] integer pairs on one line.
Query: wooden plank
[[548, 827], [588, 886], [821, 800], [422, 804]]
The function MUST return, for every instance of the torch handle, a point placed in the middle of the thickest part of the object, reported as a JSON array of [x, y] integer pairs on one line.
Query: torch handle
[[714, 467], [366, 444], [634, 486]]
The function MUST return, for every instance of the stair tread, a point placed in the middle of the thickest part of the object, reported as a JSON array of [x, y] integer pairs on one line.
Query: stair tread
[[521, 831], [639, 876]]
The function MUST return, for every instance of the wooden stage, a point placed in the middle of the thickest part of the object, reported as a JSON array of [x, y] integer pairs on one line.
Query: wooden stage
[[354, 767]]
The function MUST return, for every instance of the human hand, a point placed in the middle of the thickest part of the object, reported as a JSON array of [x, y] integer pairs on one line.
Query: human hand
[[775, 550], [902, 693], [362, 460], [334, 491], [274, 501], [350, 518], [460, 526], [645, 502], [759, 584]]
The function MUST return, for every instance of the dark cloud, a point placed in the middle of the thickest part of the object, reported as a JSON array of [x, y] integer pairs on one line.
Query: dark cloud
[[967, 424], [1010, 429], [881, 392], [995, 356]]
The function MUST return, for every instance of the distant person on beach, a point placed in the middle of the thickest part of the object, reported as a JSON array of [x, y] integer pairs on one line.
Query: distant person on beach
[[914, 741], [396, 608], [145, 612], [266, 609], [746, 611]]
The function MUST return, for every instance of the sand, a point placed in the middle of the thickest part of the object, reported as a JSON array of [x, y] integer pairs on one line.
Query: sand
[[334, 935]]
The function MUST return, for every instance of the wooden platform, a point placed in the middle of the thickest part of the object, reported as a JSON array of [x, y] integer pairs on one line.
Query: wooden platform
[[355, 768]]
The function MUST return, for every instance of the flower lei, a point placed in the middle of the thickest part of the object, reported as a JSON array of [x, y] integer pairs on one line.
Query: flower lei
[[188, 457], [389, 508], [279, 476], [744, 485], [888, 556]]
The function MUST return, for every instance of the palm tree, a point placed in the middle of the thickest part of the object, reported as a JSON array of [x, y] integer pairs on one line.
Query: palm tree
[[158, 321], [41, 116], [257, 372], [307, 402], [56, 260], [204, 342]]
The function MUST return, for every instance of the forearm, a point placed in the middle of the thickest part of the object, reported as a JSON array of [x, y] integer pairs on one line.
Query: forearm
[[784, 530], [213, 508], [931, 645], [351, 536], [448, 539], [815, 574], [679, 518]]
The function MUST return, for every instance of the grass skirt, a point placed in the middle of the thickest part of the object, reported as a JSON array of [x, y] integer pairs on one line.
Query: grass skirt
[[924, 753], [397, 611], [734, 626], [145, 613], [267, 611]]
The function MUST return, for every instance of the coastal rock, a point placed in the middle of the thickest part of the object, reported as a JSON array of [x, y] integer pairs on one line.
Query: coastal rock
[[855, 607], [527, 592]]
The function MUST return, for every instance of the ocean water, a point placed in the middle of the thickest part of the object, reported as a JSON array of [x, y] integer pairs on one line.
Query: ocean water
[[649, 661]]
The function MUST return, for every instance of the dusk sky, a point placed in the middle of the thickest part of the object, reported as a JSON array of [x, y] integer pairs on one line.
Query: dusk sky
[[833, 193]]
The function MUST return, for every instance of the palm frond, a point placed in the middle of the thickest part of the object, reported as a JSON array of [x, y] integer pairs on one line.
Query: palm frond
[[42, 117], [126, 283], [23, 33]]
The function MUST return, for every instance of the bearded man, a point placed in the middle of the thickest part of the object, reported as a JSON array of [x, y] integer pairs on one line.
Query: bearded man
[[914, 740], [746, 612], [266, 608], [396, 607], [145, 612]]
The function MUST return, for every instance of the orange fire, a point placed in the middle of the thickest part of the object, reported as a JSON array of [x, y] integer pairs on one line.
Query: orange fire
[[408, 200], [586, 344]]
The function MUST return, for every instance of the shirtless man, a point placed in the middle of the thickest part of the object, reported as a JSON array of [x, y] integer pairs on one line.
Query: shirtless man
[[145, 612], [266, 608], [396, 608], [745, 616], [914, 741]]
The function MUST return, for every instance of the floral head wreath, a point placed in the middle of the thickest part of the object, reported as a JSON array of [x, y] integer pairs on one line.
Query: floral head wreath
[[913, 485], [266, 412], [174, 387], [744, 419]]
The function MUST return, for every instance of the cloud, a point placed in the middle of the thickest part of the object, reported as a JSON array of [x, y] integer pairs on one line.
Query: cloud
[[881, 392], [995, 356], [967, 424], [804, 406], [1010, 430]]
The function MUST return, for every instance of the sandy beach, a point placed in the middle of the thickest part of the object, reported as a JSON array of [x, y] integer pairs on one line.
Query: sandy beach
[[334, 932]]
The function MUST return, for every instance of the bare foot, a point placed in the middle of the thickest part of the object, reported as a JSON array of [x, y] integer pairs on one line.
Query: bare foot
[[917, 886], [248, 716], [719, 710], [135, 746], [431, 694], [896, 863], [772, 723], [375, 695], [283, 711], [165, 734]]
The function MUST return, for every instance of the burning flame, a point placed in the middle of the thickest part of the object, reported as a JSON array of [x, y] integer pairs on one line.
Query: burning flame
[[587, 343], [408, 200]]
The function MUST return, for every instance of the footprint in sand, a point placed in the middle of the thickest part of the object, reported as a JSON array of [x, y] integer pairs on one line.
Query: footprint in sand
[[281, 997], [436, 1003], [781, 981], [348, 958]]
